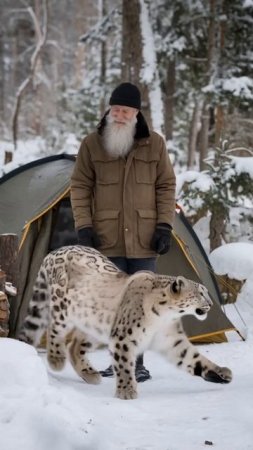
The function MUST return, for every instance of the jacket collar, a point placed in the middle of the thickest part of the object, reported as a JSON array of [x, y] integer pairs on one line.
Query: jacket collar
[[142, 130]]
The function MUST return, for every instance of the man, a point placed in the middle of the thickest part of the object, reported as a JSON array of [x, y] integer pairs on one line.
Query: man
[[123, 191]]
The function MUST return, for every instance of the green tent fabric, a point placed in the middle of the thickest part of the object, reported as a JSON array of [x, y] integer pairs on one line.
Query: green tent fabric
[[29, 201], [27, 192], [190, 259], [34, 204]]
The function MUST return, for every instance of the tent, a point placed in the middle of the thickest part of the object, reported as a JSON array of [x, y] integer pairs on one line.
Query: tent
[[35, 205]]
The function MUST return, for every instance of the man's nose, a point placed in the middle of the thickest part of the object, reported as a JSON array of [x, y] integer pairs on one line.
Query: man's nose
[[119, 115]]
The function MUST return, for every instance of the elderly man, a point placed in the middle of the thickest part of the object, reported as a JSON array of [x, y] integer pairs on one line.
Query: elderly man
[[123, 191]]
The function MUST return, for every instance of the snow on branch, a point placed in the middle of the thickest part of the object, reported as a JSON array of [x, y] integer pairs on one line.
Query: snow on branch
[[101, 29], [10, 289]]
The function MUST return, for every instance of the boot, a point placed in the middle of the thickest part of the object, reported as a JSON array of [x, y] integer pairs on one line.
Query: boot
[[141, 373], [107, 372]]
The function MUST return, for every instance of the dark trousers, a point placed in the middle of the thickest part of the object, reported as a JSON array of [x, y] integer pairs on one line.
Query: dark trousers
[[132, 265]]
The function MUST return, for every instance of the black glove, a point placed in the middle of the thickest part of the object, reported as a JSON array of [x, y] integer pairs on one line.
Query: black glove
[[88, 237], [160, 241]]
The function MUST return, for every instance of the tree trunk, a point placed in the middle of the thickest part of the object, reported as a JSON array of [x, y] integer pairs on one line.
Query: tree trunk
[[2, 72], [217, 228], [220, 116], [219, 124], [203, 144], [169, 99], [132, 57], [103, 62], [208, 78], [131, 42], [7, 157], [194, 131]]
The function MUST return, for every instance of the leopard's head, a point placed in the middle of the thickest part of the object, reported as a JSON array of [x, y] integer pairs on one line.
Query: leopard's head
[[185, 297]]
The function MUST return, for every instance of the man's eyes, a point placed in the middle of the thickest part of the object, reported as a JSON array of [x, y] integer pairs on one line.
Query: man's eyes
[[117, 110]]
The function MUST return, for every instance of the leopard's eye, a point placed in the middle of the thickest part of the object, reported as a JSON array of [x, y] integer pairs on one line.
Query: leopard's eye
[[175, 287]]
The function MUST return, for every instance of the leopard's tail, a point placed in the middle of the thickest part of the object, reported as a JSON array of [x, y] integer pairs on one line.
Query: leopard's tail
[[37, 318]]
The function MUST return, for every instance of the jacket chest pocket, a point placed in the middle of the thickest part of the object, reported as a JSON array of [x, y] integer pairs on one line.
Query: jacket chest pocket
[[145, 169], [107, 172]]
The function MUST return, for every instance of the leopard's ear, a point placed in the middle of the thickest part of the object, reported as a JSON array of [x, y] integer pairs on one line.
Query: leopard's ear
[[177, 285], [138, 286], [142, 279]]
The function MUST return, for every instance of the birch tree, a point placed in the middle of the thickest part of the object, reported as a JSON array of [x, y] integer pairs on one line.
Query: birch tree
[[41, 36]]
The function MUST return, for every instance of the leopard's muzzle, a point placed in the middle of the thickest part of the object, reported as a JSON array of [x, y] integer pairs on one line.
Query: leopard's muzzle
[[202, 310]]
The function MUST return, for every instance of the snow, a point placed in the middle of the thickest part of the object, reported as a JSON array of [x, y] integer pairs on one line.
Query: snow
[[32, 150], [235, 260], [239, 86], [203, 181], [244, 164], [198, 180], [248, 4], [42, 409], [149, 54], [149, 72]]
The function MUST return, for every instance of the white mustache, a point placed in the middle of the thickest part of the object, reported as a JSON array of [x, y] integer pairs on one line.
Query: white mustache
[[113, 120]]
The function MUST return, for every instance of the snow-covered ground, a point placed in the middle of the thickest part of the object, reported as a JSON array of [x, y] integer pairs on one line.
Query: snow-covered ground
[[42, 409]]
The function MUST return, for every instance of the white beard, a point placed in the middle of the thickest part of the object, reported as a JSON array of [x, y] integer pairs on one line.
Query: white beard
[[118, 139]]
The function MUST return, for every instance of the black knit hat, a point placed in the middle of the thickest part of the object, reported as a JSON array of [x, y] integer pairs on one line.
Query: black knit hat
[[126, 94]]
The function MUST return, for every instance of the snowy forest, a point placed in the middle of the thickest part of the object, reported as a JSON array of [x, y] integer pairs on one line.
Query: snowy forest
[[193, 62]]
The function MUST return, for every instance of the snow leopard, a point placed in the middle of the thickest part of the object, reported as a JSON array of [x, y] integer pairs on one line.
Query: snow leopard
[[80, 294]]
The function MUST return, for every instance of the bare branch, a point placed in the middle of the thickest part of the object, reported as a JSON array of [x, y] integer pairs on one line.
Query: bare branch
[[35, 23], [55, 45], [230, 151], [41, 35]]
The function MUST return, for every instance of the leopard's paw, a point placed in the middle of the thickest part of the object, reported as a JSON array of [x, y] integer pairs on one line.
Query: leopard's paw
[[126, 394], [218, 375], [56, 362], [91, 377]]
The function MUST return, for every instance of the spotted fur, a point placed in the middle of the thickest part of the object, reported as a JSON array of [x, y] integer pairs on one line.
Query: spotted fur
[[78, 290]]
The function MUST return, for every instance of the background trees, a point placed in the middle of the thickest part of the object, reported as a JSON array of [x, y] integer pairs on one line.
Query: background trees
[[192, 60], [202, 51]]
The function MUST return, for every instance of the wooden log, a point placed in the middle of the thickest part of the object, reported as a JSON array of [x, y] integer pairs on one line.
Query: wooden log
[[2, 280], [8, 273], [4, 307], [9, 257], [230, 288]]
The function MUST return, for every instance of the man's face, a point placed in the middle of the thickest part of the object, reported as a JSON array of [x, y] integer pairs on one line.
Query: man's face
[[122, 114]]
